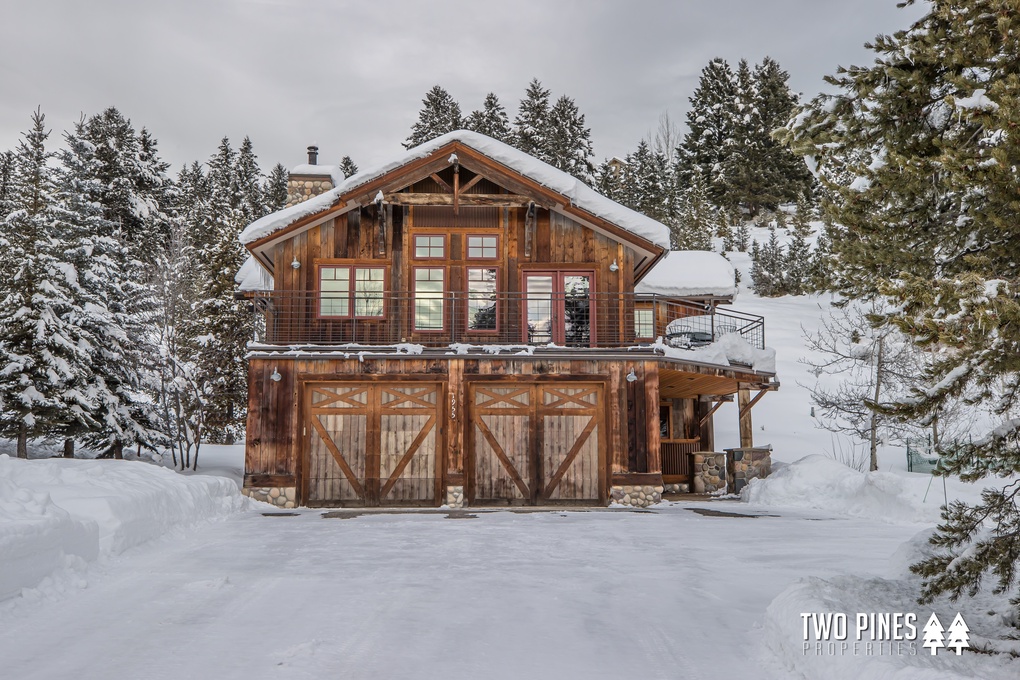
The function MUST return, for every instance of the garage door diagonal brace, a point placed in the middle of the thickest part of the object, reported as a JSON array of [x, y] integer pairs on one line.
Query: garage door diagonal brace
[[504, 461], [338, 457], [408, 455], [571, 455]]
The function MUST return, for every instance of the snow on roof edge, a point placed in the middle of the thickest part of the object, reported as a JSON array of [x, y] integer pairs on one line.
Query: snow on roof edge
[[253, 277], [578, 193], [690, 273]]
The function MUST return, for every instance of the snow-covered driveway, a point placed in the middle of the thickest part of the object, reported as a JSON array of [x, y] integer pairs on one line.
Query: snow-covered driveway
[[611, 594]]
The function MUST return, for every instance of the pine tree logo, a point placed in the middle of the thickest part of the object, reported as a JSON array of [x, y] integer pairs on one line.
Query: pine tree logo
[[933, 634], [959, 635]]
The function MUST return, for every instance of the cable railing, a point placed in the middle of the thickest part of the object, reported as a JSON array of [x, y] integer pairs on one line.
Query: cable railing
[[441, 319]]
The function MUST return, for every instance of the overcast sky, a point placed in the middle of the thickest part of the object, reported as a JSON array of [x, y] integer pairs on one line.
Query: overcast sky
[[350, 76]]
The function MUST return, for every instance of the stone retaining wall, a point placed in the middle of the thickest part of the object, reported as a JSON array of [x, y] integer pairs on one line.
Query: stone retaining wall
[[280, 496], [636, 496], [748, 464], [455, 496], [709, 472]]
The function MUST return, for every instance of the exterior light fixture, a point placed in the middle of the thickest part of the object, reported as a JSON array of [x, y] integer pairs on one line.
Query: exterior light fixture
[[276, 377], [632, 376], [614, 267], [295, 264]]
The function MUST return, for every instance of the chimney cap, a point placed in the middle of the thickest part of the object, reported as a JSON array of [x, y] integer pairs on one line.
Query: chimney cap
[[313, 154]]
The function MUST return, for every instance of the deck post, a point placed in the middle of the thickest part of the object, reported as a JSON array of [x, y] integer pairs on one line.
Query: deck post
[[744, 411]]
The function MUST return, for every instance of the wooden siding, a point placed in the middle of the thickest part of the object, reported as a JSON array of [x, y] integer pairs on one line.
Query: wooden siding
[[280, 445]]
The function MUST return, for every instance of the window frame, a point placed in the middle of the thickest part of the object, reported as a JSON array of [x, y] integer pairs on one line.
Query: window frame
[[414, 246], [467, 301], [467, 248], [443, 298], [651, 311], [351, 266]]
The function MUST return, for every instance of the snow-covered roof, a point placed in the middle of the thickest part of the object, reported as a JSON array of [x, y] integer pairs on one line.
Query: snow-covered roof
[[690, 273], [315, 170], [253, 277], [578, 193]]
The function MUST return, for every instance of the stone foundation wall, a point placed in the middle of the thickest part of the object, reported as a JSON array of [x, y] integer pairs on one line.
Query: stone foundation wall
[[680, 487], [302, 188], [455, 496], [280, 496], [709, 472], [748, 464], [636, 496]]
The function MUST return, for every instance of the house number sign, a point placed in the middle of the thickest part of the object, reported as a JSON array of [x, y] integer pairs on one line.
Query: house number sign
[[453, 406]]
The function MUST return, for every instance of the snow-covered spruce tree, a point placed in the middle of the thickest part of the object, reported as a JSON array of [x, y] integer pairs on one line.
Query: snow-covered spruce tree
[[768, 263], [491, 120], [801, 224], [609, 179], [348, 166], [133, 181], [929, 134], [786, 176], [647, 185], [741, 237], [695, 220], [709, 126], [440, 114], [44, 358], [6, 183], [112, 308], [796, 266], [569, 147], [275, 188], [531, 124]]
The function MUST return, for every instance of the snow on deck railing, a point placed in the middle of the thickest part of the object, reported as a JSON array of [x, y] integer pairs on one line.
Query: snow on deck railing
[[571, 319]]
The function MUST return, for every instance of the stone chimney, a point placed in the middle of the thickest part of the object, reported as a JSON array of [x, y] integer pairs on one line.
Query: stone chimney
[[309, 179]]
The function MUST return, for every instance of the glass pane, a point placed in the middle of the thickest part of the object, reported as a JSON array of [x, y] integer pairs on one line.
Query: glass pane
[[428, 299], [643, 323], [577, 310], [482, 247], [334, 287], [368, 291], [481, 299], [539, 309], [429, 246]]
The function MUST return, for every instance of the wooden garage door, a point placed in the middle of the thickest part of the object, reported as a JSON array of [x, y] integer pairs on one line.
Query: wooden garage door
[[372, 444], [535, 443]]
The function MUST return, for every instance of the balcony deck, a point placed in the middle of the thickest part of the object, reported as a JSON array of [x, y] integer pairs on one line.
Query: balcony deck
[[598, 320]]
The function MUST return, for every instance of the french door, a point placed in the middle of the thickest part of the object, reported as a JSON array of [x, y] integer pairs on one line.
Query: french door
[[558, 308]]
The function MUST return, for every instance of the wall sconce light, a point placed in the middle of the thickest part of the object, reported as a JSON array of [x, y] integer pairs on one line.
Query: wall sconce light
[[632, 376], [276, 377], [295, 264], [614, 267]]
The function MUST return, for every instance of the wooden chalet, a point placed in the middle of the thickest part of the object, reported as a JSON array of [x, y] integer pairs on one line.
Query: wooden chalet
[[461, 326]]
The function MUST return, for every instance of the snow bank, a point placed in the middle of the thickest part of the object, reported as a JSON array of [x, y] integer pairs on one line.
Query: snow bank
[[577, 192], [821, 483], [55, 510], [690, 273]]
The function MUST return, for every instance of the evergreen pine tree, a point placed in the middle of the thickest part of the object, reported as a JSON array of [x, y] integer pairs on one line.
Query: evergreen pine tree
[[767, 265], [44, 358], [348, 167], [609, 179], [6, 183], [797, 266], [695, 220], [440, 114], [709, 126], [741, 237], [275, 188], [251, 200], [803, 217], [569, 145], [531, 125], [491, 120], [918, 153]]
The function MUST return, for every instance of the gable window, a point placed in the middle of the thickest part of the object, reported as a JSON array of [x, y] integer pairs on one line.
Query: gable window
[[482, 247], [481, 298], [429, 303], [429, 247], [644, 323], [344, 289]]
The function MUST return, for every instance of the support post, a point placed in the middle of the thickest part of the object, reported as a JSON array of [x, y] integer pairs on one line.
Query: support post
[[744, 409]]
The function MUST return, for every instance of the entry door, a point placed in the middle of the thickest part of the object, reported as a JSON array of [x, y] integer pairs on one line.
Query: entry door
[[535, 443], [372, 444], [559, 308]]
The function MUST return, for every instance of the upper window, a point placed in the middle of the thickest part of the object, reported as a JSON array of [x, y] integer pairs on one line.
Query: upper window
[[482, 247], [429, 287], [644, 322], [345, 289], [429, 247], [481, 298]]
